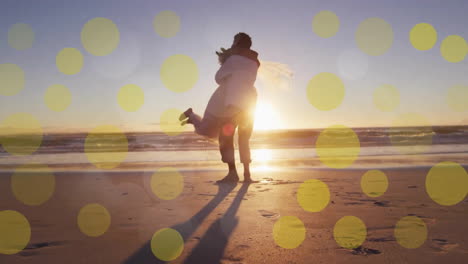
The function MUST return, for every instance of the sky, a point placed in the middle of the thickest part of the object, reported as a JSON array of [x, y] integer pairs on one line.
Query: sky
[[281, 32]]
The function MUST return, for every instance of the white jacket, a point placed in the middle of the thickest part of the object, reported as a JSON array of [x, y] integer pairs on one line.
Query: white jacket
[[237, 76]]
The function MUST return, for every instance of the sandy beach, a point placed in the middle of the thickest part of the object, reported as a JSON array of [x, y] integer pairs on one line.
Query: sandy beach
[[233, 223]]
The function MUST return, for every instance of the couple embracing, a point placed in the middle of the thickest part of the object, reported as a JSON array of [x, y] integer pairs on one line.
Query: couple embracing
[[231, 106]]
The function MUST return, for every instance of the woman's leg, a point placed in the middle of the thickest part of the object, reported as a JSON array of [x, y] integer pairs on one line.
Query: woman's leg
[[207, 126]]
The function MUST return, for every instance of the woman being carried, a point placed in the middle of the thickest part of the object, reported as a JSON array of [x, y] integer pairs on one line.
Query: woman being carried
[[232, 104]]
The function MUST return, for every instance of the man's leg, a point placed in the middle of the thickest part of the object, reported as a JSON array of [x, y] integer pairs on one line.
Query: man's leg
[[226, 148], [245, 131]]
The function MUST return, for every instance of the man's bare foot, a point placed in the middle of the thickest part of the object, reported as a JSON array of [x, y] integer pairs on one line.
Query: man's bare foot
[[232, 177], [247, 178]]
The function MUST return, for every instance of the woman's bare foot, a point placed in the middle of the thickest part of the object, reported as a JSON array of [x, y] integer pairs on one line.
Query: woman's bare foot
[[185, 114]]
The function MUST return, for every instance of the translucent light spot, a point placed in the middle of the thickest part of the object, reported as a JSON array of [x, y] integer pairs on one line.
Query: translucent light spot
[[313, 195], [166, 24], [20, 36], [57, 97], [454, 48], [325, 24], [15, 232], [410, 232], [69, 61], [100, 36], [179, 73], [169, 122], [93, 220], [374, 183], [167, 183], [386, 98], [33, 187], [374, 36], [350, 232], [124, 61], [11, 79], [353, 65], [423, 36], [21, 134], [457, 98], [106, 146], [289, 232], [228, 129], [131, 97], [447, 183], [167, 244], [325, 91], [419, 125], [338, 146]]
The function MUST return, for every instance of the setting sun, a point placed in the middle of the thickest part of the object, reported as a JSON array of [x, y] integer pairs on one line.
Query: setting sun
[[266, 118]]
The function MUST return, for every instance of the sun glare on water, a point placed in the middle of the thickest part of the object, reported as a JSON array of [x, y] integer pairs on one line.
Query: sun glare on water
[[266, 118]]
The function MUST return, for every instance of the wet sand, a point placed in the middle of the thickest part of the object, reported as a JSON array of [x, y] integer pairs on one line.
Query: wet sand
[[234, 223]]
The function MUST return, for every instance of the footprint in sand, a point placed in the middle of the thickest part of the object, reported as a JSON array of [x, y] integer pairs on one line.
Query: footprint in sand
[[31, 249], [428, 220], [268, 214], [442, 246], [382, 203], [362, 251]]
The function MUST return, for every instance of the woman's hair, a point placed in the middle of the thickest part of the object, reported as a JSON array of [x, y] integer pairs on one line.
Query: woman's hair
[[241, 40]]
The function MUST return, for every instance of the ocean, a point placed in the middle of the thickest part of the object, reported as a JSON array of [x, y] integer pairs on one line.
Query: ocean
[[378, 148]]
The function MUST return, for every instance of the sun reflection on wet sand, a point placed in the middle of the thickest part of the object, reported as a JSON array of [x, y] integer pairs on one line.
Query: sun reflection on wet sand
[[261, 159]]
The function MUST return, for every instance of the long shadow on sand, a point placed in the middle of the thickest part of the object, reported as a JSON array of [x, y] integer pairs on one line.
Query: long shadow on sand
[[211, 247]]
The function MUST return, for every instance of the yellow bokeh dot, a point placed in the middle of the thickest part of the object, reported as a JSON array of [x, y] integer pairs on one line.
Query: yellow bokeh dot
[[167, 183], [166, 24], [15, 232], [106, 146], [131, 97], [410, 232], [374, 36], [313, 195], [69, 61], [93, 220], [21, 36], [100, 36], [414, 145], [386, 98], [179, 73], [57, 97], [374, 183], [423, 36], [454, 48], [457, 98], [33, 186], [21, 134], [11, 79], [350, 232], [338, 146], [289, 232], [167, 244], [169, 122], [325, 24], [447, 183], [325, 91]]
